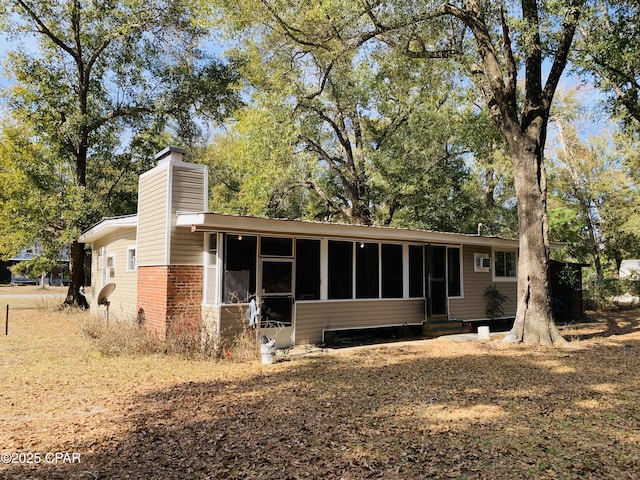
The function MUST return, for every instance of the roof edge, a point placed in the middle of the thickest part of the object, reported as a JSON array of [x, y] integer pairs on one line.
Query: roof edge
[[106, 226]]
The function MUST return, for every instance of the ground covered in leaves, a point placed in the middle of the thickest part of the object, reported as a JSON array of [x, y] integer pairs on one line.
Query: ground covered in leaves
[[413, 410]]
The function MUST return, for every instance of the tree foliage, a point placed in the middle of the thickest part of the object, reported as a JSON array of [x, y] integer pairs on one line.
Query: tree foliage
[[99, 87], [372, 138], [607, 52], [593, 198]]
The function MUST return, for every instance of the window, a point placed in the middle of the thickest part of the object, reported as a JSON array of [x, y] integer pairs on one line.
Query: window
[[131, 259], [307, 269], [212, 269], [213, 242], [340, 269], [504, 265], [239, 268], [416, 271], [276, 276], [276, 247], [367, 270], [454, 283], [110, 269], [391, 271]]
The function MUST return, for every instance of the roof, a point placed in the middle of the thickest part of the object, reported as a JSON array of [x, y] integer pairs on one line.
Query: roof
[[211, 222], [107, 226], [205, 221]]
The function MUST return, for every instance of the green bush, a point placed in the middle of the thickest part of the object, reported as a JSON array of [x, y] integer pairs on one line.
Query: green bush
[[598, 295]]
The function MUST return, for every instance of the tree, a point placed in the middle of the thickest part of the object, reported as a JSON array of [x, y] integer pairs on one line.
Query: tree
[[370, 133], [544, 34], [593, 196], [607, 52], [104, 82]]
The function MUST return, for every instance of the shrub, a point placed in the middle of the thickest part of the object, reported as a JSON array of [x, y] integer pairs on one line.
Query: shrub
[[598, 294], [120, 337], [495, 302]]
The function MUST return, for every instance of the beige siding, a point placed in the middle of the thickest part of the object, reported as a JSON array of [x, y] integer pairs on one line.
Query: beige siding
[[473, 306], [188, 192], [210, 317], [152, 218], [233, 318], [123, 299], [312, 318]]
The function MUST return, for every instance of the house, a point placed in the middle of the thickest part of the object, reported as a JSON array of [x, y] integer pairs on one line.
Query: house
[[176, 264], [53, 277], [630, 269]]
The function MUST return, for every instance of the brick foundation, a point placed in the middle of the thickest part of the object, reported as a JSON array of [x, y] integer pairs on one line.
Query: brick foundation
[[170, 298]]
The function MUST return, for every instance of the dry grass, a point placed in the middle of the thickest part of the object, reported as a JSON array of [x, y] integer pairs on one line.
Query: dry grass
[[412, 410], [30, 297]]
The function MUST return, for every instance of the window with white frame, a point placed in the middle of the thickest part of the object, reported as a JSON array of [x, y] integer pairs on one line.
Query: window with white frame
[[504, 265], [131, 259], [212, 270]]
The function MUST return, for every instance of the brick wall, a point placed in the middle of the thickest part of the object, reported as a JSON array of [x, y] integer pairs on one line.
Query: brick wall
[[170, 298]]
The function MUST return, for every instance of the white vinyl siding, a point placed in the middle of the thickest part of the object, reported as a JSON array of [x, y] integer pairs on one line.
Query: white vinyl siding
[[152, 218], [124, 297], [187, 194]]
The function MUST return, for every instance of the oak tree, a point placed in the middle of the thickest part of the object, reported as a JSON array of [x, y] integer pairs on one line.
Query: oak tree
[[99, 84]]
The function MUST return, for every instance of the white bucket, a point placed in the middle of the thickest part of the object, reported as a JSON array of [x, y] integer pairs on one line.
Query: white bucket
[[268, 352], [483, 333]]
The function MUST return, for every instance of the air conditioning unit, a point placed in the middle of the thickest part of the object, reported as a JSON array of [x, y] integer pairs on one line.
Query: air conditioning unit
[[482, 263]]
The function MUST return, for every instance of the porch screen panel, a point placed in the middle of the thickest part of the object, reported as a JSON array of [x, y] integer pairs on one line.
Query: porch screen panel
[[453, 272], [239, 268], [340, 270], [276, 247], [437, 269], [392, 271], [367, 270], [416, 271], [307, 269]]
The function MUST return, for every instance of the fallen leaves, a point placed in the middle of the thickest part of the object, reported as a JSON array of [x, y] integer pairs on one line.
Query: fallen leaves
[[431, 409]]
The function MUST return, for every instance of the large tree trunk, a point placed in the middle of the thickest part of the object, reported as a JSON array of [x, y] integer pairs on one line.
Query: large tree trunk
[[74, 296], [534, 322]]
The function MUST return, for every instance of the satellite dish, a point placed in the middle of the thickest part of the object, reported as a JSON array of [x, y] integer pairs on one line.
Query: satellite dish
[[103, 296]]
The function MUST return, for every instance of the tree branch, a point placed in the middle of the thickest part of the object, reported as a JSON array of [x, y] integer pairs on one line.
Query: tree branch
[[42, 28]]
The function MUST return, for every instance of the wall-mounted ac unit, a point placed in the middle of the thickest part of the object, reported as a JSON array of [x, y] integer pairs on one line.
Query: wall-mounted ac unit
[[482, 262]]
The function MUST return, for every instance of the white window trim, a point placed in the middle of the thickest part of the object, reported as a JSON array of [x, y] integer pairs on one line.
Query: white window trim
[[135, 266], [493, 267]]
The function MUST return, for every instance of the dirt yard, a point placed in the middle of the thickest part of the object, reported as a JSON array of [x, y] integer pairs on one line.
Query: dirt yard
[[415, 410]]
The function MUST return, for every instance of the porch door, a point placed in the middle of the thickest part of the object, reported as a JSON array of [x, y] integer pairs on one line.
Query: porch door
[[436, 285], [276, 292]]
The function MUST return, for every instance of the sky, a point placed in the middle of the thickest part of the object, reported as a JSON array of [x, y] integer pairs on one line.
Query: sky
[[592, 99]]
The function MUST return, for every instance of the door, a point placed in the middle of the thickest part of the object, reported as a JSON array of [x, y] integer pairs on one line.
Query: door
[[436, 287], [276, 292]]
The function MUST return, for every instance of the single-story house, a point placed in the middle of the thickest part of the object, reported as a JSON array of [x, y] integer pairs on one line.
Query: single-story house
[[175, 264]]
